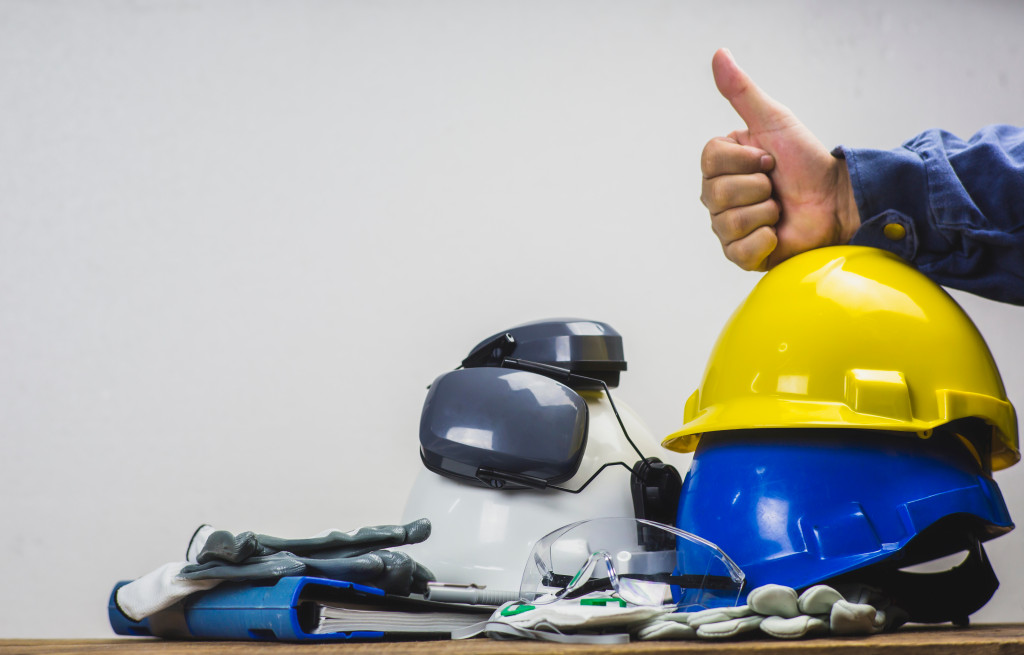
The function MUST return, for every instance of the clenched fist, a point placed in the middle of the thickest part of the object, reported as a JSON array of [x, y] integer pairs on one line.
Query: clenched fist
[[773, 190]]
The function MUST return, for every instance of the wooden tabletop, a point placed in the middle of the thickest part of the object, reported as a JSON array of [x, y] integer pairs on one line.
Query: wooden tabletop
[[1004, 639]]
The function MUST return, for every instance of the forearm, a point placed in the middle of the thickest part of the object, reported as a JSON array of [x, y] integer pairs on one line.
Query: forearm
[[954, 209]]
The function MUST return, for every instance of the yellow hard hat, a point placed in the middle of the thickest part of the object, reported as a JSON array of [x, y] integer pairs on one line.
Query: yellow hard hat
[[850, 337]]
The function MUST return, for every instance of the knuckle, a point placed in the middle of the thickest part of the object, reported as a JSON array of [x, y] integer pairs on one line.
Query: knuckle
[[709, 159], [730, 224], [719, 195], [751, 251], [737, 256], [748, 261], [709, 195], [705, 193], [730, 253], [719, 230], [761, 186]]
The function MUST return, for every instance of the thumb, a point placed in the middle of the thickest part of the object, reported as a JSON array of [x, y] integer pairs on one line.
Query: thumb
[[759, 111]]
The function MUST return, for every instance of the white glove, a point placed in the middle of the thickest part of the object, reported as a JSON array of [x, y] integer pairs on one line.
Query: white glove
[[595, 612], [161, 588], [158, 590], [776, 611]]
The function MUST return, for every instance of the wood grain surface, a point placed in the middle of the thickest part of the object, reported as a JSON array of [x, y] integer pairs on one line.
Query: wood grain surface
[[1002, 639]]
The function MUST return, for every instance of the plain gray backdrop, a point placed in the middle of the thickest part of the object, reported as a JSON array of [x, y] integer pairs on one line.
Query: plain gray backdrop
[[238, 239]]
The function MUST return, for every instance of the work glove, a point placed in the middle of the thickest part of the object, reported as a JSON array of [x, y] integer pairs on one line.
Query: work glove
[[774, 610], [222, 546], [602, 619], [214, 556], [356, 556]]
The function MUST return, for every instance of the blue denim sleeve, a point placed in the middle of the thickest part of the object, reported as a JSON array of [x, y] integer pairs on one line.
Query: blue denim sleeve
[[953, 209]]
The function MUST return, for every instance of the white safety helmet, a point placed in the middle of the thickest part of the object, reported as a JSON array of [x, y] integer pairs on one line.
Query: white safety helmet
[[523, 439]]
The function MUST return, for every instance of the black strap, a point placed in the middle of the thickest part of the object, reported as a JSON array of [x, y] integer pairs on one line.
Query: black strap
[[951, 595]]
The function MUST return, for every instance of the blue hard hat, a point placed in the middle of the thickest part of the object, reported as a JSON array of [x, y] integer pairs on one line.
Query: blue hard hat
[[800, 507]]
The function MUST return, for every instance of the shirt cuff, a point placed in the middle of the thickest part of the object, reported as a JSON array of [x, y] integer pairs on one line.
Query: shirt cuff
[[890, 230], [890, 187]]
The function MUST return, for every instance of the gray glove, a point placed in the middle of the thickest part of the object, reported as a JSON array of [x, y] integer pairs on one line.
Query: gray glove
[[214, 556], [394, 572], [351, 556], [222, 546]]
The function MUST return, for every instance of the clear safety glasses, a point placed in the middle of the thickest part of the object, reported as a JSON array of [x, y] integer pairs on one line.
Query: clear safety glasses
[[637, 561]]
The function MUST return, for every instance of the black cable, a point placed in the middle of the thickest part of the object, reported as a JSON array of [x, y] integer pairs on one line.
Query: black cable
[[617, 417], [549, 370], [596, 473]]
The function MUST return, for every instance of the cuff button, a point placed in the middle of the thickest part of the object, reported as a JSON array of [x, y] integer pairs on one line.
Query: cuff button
[[894, 231]]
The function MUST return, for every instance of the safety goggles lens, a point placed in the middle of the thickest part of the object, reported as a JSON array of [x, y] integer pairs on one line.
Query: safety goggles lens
[[641, 562]]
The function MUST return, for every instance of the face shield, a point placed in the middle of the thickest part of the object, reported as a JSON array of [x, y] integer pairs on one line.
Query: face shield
[[637, 561]]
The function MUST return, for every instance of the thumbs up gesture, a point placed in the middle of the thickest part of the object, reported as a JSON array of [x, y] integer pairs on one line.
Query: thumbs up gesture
[[773, 190]]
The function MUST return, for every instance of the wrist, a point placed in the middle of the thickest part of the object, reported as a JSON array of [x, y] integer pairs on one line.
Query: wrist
[[847, 214]]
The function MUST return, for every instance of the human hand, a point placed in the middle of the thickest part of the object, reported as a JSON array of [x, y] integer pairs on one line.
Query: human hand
[[772, 189]]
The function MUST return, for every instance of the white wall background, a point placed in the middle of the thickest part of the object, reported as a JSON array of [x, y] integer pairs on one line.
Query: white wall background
[[237, 239]]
